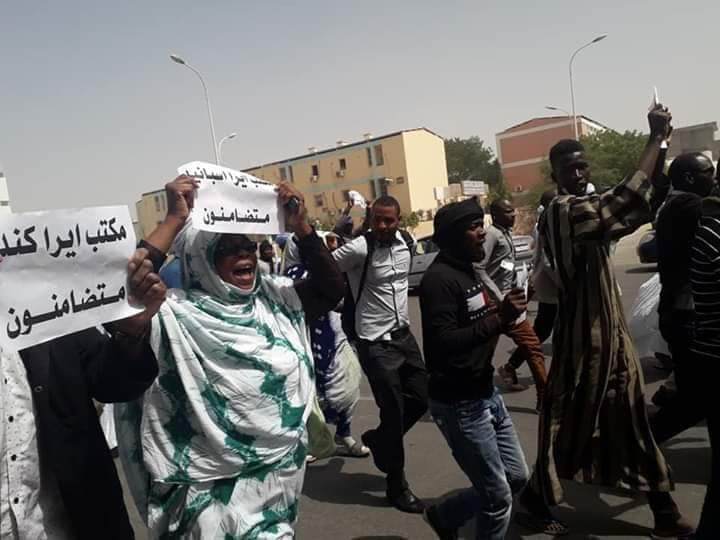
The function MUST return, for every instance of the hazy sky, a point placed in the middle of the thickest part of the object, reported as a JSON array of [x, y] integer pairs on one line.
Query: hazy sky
[[93, 112]]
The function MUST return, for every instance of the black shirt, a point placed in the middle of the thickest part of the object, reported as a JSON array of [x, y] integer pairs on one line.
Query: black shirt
[[460, 331], [675, 230]]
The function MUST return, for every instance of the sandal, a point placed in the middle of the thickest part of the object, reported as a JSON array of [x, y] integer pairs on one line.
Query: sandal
[[547, 525], [357, 450]]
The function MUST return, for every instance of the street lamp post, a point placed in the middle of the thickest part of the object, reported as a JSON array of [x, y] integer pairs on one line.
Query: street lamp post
[[225, 138], [559, 109], [572, 88], [178, 60]]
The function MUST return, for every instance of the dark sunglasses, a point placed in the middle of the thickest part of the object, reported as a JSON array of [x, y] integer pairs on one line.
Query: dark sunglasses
[[231, 250]]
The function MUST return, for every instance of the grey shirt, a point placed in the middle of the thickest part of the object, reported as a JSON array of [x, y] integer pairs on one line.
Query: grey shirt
[[383, 305], [497, 269]]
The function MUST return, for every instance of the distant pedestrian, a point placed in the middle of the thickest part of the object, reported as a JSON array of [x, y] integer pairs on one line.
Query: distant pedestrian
[[461, 327], [377, 264], [337, 369], [497, 271], [267, 257]]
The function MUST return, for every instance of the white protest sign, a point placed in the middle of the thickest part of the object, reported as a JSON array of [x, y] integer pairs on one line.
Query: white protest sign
[[230, 201], [62, 271]]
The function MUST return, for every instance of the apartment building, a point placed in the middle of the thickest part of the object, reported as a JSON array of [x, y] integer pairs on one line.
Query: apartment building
[[406, 164], [522, 149]]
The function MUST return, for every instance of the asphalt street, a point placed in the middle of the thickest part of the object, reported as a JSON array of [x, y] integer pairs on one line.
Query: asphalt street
[[344, 499]]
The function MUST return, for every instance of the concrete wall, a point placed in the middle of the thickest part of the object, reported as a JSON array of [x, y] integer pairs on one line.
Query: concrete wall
[[698, 138]]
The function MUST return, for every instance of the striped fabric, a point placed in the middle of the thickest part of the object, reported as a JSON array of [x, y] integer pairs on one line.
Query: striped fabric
[[594, 425], [705, 280]]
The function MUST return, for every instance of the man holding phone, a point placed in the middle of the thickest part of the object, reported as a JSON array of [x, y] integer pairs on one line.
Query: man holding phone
[[461, 327]]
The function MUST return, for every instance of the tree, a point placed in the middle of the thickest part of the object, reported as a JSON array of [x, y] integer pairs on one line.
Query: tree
[[612, 155], [470, 159], [499, 191], [409, 221]]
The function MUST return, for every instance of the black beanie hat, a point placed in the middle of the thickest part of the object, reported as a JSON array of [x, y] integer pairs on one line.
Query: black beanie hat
[[451, 216]]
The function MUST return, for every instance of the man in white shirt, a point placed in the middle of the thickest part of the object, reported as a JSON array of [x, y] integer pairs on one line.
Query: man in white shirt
[[377, 265]]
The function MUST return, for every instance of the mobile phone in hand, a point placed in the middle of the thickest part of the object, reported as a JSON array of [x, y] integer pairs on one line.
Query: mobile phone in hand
[[293, 205]]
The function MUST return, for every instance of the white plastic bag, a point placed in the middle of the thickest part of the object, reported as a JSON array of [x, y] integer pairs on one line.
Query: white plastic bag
[[644, 320]]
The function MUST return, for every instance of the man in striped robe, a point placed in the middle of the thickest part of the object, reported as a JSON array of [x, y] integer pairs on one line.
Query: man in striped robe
[[594, 426]]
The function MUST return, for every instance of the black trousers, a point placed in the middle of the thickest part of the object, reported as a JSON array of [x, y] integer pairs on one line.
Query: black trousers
[[709, 526], [543, 326], [399, 382], [686, 409]]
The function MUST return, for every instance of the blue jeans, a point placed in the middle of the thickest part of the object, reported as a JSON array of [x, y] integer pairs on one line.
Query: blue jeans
[[484, 443]]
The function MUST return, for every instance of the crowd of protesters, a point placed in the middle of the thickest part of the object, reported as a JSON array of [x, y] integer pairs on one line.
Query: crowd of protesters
[[241, 349]]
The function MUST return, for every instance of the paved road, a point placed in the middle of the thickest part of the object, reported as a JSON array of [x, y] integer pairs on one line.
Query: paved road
[[344, 498]]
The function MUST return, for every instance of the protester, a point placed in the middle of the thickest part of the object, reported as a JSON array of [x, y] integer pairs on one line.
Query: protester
[[497, 271], [461, 326], [222, 432], [377, 264], [703, 368], [57, 477], [337, 369], [345, 224], [692, 179], [542, 288], [594, 425], [267, 258]]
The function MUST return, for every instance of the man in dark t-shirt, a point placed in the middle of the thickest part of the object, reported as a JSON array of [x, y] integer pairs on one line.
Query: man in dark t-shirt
[[692, 179]]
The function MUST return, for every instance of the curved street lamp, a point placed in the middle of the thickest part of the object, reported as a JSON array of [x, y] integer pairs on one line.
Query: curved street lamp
[[558, 109], [225, 138], [178, 60], [572, 88]]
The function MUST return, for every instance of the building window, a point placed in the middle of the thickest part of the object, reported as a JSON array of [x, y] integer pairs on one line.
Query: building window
[[164, 202], [283, 174], [292, 176], [369, 156], [373, 191], [384, 186], [346, 195], [315, 170], [4, 203], [157, 203], [379, 159], [318, 201], [343, 164]]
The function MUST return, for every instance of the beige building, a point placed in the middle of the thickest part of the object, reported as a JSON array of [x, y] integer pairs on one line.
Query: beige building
[[151, 210], [406, 165]]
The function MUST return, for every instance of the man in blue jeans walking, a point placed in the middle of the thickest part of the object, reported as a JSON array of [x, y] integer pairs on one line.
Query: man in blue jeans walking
[[461, 327]]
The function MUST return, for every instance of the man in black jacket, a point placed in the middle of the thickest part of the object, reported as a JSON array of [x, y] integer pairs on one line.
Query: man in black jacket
[[461, 327], [58, 479], [692, 179]]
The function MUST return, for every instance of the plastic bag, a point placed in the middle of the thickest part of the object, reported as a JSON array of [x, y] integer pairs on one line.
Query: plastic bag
[[644, 319], [321, 443]]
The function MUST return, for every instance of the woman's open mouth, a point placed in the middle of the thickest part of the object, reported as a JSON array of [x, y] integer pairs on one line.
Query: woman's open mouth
[[244, 274]]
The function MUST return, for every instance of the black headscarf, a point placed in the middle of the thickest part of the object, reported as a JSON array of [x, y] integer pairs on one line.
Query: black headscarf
[[452, 220]]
